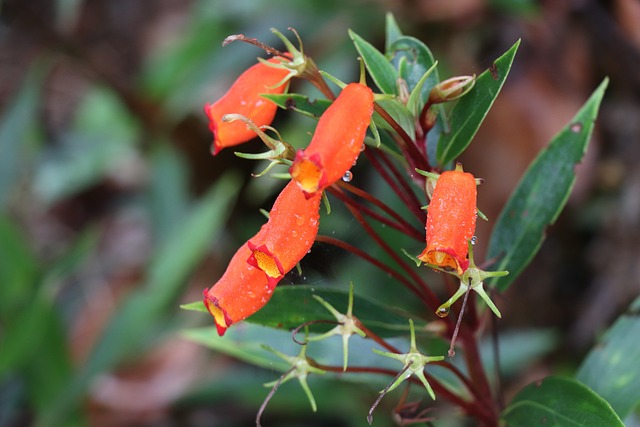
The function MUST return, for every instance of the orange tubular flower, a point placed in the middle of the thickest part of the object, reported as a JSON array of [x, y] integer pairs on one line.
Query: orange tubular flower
[[288, 235], [451, 221], [244, 98], [337, 141], [241, 291], [257, 267]]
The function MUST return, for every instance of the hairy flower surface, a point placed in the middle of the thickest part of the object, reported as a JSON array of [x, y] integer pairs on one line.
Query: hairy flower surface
[[243, 97], [337, 141], [257, 267], [451, 221]]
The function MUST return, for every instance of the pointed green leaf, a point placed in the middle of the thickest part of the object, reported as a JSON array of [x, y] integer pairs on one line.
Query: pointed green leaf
[[195, 306], [246, 344], [291, 306], [541, 194], [19, 270], [468, 114], [300, 103], [559, 402], [611, 368], [400, 114], [381, 70], [413, 58], [392, 30], [19, 128]]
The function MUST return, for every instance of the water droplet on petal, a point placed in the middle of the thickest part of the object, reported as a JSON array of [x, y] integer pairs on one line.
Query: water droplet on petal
[[348, 176], [442, 311], [474, 239]]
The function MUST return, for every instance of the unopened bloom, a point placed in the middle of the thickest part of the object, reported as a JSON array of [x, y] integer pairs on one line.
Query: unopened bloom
[[337, 141], [243, 97], [451, 221], [257, 267], [451, 89]]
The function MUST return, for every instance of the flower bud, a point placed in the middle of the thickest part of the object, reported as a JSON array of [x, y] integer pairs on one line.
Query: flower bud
[[243, 97], [337, 141], [451, 221], [451, 89]]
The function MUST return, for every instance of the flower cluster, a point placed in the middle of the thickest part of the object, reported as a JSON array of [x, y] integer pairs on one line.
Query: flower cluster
[[258, 266]]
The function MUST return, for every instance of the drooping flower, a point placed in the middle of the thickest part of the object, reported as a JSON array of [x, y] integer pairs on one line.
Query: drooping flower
[[243, 97], [241, 291], [288, 235], [451, 221], [257, 267], [337, 141]]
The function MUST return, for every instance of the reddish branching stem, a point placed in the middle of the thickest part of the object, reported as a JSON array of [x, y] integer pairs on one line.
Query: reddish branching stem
[[400, 225], [404, 141], [362, 254], [408, 229], [399, 186], [427, 294]]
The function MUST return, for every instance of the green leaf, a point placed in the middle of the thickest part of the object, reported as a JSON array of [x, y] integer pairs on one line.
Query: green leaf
[[19, 270], [103, 137], [392, 30], [300, 103], [290, 306], [18, 129], [168, 192], [541, 194], [381, 70], [413, 59], [469, 112], [559, 402], [518, 350], [400, 114], [19, 338], [244, 342], [611, 368], [195, 306]]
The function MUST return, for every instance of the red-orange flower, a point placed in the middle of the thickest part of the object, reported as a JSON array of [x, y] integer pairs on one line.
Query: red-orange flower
[[257, 267], [243, 97], [241, 291], [337, 141], [288, 235], [451, 221]]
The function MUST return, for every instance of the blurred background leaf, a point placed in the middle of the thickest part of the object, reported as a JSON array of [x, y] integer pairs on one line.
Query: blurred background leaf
[[610, 369]]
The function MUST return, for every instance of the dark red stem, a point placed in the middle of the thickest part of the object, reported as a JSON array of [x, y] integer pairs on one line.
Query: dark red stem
[[403, 227], [362, 254]]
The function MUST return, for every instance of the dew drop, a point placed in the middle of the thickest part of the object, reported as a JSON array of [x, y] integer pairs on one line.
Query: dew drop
[[442, 311], [474, 239], [576, 127], [348, 176]]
